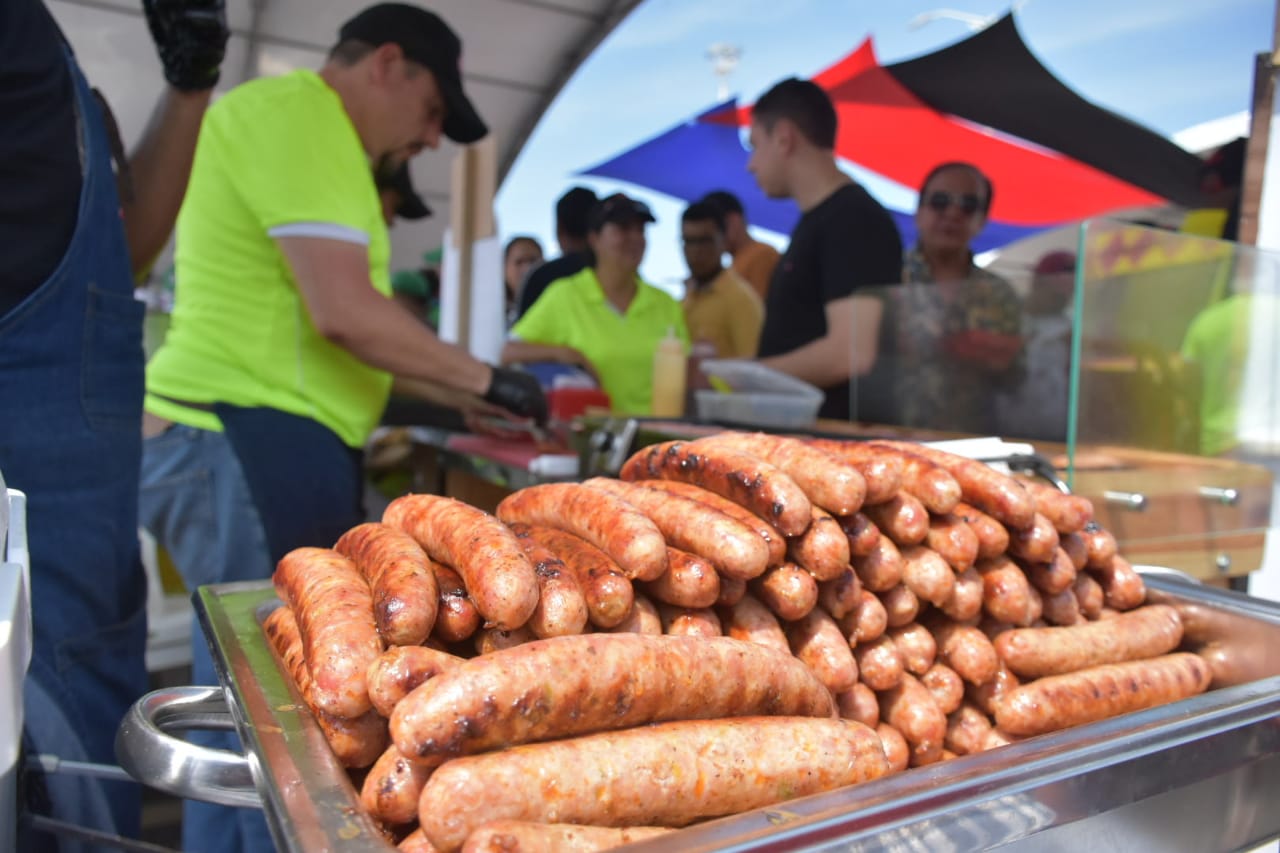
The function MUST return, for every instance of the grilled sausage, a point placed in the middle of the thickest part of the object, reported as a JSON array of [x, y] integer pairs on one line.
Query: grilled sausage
[[945, 686], [880, 570], [996, 494], [1035, 543], [689, 581], [1067, 513], [400, 669], [333, 607], [562, 604], [518, 836], [816, 640], [990, 694], [735, 549], [1006, 593], [1122, 586], [593, 682], [605, 520], [918, 647], [401, 578], [489, 640], [966, 650], [859, 703], [910, 709], [880, 663], [881, 472], [750, 621], [763, 488], [1076, 550], [499, 578], [927, 575], [823, 549], [840, 595], [1062, 608], [924, 479], [456, 617], [606, 590], [1052, 577], [902, 518], [643, 619], [830, 482], [416, 842], [355, 742], [967, 729], [391, 790], [1143, 633], [993, 538], [954, 540], [668, 775], [773, 539], [1061, 701], [965, 603], [682, 622], [896, 749], [731, 592], [1089, 595], [788, 590], [862, 534], [901, 606], [1099, 544]]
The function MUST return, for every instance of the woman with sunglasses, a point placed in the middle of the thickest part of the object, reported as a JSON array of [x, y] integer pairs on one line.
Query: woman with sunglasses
[[958, 325], [604, 319]]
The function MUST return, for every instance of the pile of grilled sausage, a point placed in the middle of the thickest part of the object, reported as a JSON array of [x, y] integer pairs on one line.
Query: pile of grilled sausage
[[735, 621]]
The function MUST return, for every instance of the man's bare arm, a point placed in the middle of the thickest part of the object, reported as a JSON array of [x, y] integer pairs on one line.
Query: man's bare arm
[[333, 278], [159, 168], [847, 350]]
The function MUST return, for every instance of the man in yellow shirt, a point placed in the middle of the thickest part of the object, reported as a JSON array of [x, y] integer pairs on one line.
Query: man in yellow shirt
[[719, 307], [752, 259]]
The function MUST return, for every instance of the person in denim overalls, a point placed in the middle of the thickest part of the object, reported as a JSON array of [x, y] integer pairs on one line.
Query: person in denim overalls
[[71, 385]]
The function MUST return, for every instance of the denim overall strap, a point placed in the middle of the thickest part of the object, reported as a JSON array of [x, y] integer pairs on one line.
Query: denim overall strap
[[71, 384]]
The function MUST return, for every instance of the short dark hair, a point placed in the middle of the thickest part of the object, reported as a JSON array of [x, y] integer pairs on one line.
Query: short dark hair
[[350, 51], [804, 104], [704, 211], [984, 183], [572, 210], [724, 201]]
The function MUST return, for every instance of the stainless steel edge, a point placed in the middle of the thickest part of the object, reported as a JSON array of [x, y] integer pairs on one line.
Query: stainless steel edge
[[309, 801], [1196, 775]]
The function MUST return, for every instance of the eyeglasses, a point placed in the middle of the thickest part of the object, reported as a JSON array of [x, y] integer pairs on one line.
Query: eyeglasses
[[939, 200]]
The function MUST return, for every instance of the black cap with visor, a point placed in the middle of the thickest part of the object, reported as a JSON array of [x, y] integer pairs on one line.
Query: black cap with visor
[[427, 40]]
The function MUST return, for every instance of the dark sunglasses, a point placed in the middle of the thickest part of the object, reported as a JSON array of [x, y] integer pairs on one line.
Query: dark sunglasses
[[939, 200]]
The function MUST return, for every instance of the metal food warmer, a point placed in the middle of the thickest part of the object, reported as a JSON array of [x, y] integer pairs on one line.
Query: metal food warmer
[[1197, 775]]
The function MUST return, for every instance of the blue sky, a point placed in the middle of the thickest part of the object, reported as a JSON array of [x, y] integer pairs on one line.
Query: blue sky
[[1167, 64]]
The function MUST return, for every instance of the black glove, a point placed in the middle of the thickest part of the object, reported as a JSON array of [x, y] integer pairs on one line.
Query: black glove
[[191, 38], [519, 393]]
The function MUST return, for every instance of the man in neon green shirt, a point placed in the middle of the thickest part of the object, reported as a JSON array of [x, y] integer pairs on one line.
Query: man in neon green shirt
[[284, 342]]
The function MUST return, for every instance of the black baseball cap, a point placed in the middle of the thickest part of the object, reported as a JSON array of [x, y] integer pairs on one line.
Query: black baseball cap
[[411, 204], [620, 209], [427, 40]]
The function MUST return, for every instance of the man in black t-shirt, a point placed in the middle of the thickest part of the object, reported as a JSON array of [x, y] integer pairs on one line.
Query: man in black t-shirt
[[817, 327], [571, 233]]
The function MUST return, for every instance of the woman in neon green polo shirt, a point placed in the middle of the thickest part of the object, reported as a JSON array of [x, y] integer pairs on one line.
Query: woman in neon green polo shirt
[[605, 318]]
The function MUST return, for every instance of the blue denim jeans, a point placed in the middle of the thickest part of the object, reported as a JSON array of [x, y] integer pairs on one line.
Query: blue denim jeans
[[194, 501]]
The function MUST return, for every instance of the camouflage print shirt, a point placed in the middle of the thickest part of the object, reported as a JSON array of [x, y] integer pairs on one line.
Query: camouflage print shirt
[[942, 336]]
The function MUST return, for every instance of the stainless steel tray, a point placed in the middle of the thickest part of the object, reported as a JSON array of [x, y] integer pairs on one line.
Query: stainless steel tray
[[1197, 775]]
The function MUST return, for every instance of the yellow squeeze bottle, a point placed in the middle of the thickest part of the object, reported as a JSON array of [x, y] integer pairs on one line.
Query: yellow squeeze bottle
[[669, 361]]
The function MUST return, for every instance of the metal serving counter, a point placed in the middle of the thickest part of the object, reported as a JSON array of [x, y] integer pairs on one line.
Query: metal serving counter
[[1198, 775]]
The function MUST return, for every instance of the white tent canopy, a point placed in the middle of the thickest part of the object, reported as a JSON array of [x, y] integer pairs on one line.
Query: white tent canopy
[[517, 55]]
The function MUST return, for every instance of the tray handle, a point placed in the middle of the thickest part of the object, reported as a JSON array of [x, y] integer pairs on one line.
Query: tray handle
[[151, 755]]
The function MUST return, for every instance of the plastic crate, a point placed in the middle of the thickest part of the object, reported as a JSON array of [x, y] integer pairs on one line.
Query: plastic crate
[[759, 396]]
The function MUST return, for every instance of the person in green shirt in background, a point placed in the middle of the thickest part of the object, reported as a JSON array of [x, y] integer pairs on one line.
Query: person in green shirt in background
[[605, 319]]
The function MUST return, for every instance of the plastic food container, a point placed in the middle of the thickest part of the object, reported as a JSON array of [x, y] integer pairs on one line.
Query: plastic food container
[[758, 396]]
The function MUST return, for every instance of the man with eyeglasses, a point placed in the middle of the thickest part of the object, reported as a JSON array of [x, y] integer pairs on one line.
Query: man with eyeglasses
[[956, 326], [820, 323], [720, 308]]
